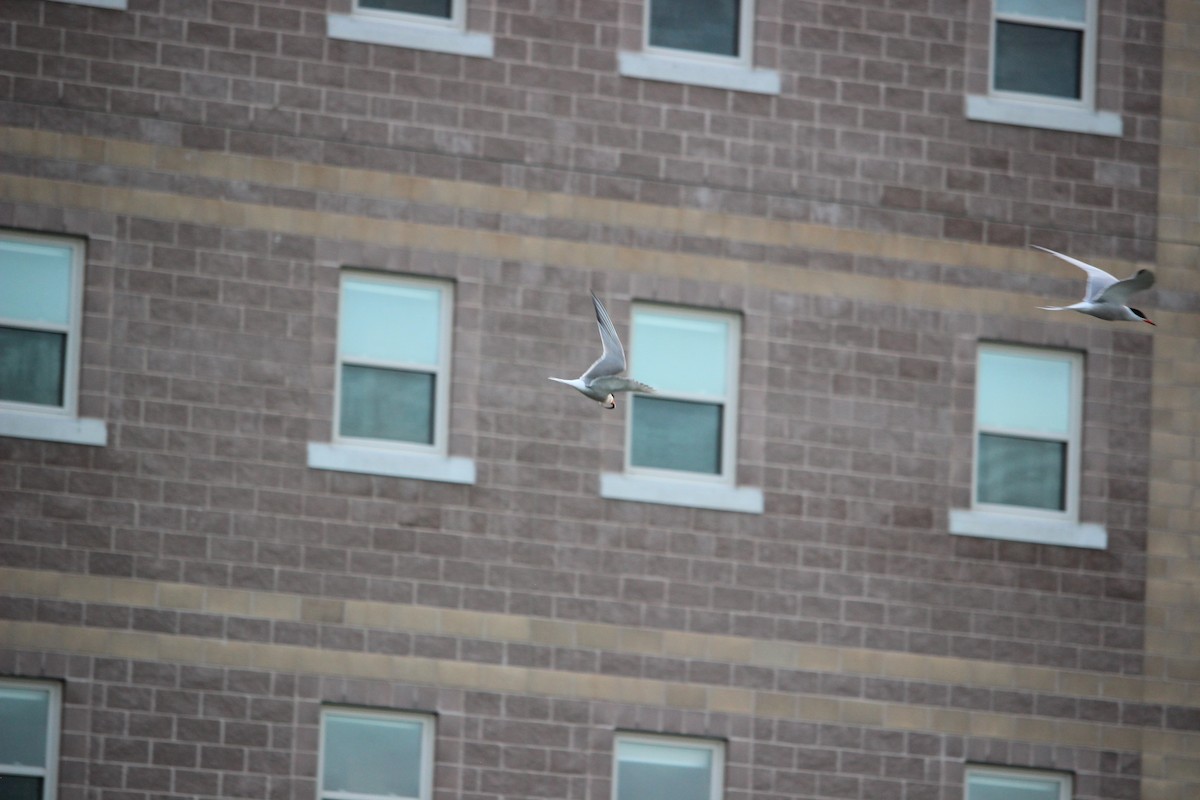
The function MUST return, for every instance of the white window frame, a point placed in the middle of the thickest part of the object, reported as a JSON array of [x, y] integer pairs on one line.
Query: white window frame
[[698, 68], [55, 423], [679, 487], [385, 456], [427, 721], [1064, 780], [994, 520], [716, 747], [48, 774], [1045, 111], [415, 31]]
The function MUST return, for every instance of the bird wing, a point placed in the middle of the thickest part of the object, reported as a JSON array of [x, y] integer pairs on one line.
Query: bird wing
[[1119, 292], [1098, 280], [612, 360]]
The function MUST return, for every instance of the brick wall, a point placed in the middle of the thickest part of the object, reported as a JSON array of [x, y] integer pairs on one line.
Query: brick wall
[[201, 591], [868, 131]]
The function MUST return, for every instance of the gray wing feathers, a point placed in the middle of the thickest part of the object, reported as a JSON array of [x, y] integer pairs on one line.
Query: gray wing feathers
[[1119, 292], [1098, 280], [612, 360]]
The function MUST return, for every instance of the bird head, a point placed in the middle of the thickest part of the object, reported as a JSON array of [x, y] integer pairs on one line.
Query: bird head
[[610, 402], [1142, 317]]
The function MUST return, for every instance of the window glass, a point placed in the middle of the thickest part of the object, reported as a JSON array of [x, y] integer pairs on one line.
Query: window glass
[[648, 771], [36, 281], [676, 434], [682, 354], [31, 366], [25, 714], [705, 26], [387, 404], [1069, 10], [390, 322], [1022, 472], [1039, 60], [20, 787], [1024, 392], [372, 756], [1012, 787], [432, 8]]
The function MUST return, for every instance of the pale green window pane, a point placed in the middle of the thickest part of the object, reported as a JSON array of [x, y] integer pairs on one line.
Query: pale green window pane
[[1022, 472], [1025, 392], [24, 720], [35, 282], [31, 366], [389, 322], [1069, 10], [994, 787], [676, 434], [651, 772], [387, 404], [372, 756], [684, 354]]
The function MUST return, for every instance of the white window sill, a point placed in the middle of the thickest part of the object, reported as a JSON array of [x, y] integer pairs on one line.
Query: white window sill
[[692, 494], [53, 428], [414, 35], [120, 5], [697, 72], [1043, 115], [392, 463], [1018, 528]]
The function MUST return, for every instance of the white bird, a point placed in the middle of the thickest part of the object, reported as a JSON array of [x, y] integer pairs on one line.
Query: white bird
[[603, 378], [1105, 296]]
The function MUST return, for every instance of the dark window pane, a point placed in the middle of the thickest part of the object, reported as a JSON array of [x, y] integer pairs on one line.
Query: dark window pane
[[676, 434], [706, 26], [1022, 472], [431, 8], [387, 404], [20, 787], [31, 366], [1038, 60]]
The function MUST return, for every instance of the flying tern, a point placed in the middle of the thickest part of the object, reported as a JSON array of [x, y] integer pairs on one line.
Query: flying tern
[[1105, 296], [603, 379]]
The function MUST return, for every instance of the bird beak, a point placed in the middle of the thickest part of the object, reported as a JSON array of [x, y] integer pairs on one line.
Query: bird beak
[[1148, 322], [610, 402]]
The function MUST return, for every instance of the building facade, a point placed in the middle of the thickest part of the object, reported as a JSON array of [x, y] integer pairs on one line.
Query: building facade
[[291, 510]]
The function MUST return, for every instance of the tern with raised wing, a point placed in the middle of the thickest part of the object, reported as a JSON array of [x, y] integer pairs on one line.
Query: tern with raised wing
[[603, 379], [1105, 296]]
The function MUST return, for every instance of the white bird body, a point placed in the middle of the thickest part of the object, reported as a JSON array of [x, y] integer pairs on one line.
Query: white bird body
[[603, 378], [1105, 297]]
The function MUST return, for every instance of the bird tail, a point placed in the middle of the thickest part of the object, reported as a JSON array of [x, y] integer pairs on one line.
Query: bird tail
[[1054, 308]]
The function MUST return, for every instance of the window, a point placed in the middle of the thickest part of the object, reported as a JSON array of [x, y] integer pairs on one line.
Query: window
[[681, 441], [114, 4], [652, 767], [392, 384], [1042, 67], [689, 425], [701, 42], [437, 25], [41, 310], [369, 754], [393, 353], [1027, 443], [1001, 783], [29, 739]]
